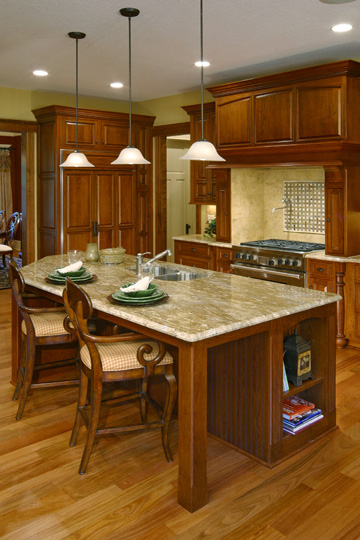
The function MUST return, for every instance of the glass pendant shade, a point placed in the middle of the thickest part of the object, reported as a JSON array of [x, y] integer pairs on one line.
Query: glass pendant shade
[[76, 159], [202, 150], [130, 156]]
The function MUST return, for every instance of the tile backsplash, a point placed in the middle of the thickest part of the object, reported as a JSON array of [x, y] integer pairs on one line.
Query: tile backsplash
[[255, 192], [304, 207]]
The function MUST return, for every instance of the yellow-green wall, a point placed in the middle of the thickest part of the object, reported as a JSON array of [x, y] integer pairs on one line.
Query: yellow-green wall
[[17, 104]]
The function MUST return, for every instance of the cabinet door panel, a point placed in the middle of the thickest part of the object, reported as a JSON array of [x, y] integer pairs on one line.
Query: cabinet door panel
[[234, 121], [105, 208], [127, 240], [78, 210], [319, 113], [87, 133], [114, 135], [321, 284], [198, 263], [274, 117], [126, 197]]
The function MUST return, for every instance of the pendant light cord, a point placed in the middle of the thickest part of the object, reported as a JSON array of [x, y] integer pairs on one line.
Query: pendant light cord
[[77, 90], [202, 68], [130, 101]]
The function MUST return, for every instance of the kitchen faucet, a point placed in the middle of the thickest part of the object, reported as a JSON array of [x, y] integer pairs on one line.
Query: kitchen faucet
[[286, 202], [139, 258]]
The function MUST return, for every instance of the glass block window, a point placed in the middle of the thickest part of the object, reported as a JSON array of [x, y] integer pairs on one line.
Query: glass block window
[[304, 207]]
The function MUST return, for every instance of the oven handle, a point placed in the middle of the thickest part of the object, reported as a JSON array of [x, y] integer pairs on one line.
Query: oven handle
[[267, 270]]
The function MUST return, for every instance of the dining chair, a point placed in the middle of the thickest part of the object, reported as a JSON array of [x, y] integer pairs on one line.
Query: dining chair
[[40, 326], [12, 225], [108, 359]]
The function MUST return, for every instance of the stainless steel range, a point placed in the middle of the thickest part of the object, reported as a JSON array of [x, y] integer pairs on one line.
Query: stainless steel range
[[282, 261]]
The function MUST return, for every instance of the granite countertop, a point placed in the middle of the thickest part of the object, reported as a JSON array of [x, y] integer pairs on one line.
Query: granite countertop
[[320, 255], [201, 240], [196, 309]]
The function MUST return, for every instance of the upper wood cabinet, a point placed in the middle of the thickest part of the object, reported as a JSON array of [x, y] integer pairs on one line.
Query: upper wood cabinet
[[203, 183], [307, 105], [107, 204]]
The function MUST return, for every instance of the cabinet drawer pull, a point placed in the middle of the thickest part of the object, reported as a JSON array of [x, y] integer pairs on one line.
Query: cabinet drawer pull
[[225, 255], [320, 269]]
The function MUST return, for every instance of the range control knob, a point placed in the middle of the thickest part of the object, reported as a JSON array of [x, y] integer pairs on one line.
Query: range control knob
[[272, 262], [244, 256], [251, 257], [287, 262], [295, 263], [280, 261]]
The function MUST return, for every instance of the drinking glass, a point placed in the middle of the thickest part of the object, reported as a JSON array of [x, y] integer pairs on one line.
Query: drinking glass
[[147, 269], [74, 255]]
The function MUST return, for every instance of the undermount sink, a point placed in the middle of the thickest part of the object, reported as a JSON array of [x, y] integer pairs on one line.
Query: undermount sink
[[158, 270], [182, 276], [170, 273]]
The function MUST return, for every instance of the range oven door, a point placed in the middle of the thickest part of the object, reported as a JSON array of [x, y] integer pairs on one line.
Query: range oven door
[[269, 274]]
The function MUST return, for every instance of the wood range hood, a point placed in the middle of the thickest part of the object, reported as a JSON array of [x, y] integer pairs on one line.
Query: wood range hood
[[306, 117]]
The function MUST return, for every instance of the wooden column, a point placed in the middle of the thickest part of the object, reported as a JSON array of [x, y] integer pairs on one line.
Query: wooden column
[[192, 484], [340, 270]]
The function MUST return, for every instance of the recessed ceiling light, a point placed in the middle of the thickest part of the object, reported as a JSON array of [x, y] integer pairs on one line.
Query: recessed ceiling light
[[116, 85], [343, 27], [204, 63], [40, 73]]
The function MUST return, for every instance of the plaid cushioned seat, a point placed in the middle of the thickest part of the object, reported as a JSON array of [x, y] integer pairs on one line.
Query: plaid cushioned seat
[[47, 324], [121, 356]]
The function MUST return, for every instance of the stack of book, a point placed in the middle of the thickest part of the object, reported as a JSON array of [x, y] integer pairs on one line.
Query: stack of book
[[298, 414]]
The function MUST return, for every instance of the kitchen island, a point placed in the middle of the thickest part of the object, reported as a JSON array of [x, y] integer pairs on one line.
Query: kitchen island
[[229, 334]]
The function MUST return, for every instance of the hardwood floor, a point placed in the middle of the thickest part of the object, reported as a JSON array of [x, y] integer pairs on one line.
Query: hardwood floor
[[129, 491]]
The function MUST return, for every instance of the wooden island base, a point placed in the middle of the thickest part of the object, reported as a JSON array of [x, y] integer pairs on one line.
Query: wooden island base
[[229, 380]]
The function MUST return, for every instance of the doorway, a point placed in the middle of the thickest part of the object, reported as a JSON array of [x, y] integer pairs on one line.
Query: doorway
[[181, 216]]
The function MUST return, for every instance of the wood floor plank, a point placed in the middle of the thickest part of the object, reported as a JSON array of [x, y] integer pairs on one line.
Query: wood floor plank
[[130, 491]]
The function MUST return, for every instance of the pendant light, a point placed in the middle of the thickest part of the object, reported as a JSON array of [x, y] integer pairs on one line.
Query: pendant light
[[130, 155], [76, 159], [202, 150]]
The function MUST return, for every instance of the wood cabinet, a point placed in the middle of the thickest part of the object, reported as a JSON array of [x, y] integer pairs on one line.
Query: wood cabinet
[[307, 105], [352, 302], [328, 276], [203, 182], [200, 255], [224, 257], [300, 118], [107, 204], [194, 254]]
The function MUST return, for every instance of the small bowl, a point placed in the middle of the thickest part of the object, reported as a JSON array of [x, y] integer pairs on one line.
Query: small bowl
[[112, 255], [140, 294]]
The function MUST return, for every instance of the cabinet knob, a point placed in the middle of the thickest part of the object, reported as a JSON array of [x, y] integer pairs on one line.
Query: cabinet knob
[[226, 213], [310, 287], [328, 220], [193, 249]]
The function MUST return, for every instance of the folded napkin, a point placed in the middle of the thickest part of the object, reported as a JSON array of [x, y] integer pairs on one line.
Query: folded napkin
[[140, 285], [74, 267]]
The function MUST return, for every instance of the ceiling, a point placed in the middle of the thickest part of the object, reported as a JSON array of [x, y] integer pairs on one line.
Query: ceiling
[[242, 39]]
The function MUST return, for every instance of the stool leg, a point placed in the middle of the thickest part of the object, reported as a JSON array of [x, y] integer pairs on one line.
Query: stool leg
[[95, 404], [29, 368], [83, 388], [20, 376], [143, 403], [168, 409]]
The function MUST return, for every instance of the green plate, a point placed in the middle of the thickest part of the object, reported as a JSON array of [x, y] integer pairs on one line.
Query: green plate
[[55, 278], [125, 300], [119, 295]]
